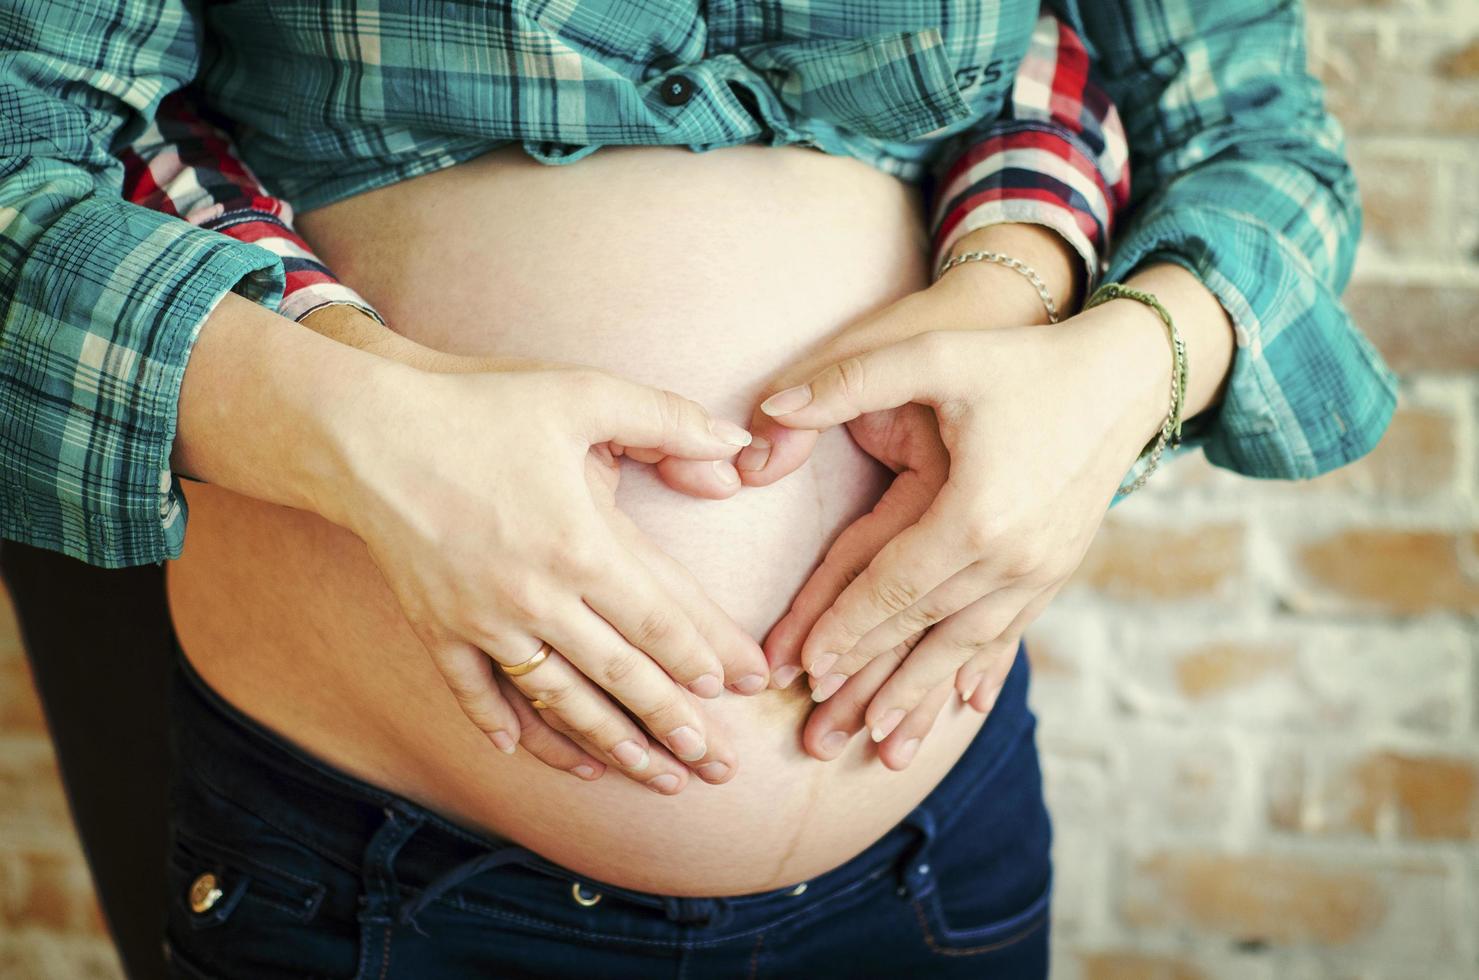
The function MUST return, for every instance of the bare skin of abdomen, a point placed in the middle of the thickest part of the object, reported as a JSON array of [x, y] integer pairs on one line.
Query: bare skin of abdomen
[[705, 273]]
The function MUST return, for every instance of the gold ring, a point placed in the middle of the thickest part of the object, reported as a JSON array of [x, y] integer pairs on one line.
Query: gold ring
[[520, 669], [538, 704]]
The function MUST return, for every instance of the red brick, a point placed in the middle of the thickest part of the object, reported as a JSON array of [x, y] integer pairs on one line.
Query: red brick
[[1214, 668], [1419, 327], [1419, 797], [1396, 571], [10, 634], [1412, 86], [20, 710], [1461, 63], [50, 891], [1399, 209], [1152, 562], [1257, 898], [1415, 457], [30, 785], [1135, 966]]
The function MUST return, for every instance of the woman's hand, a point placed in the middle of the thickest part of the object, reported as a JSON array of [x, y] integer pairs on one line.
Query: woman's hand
[[487, 501], [1034, 427]]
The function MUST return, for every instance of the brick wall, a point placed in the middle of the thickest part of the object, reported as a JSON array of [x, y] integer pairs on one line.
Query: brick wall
[[1258, 700]]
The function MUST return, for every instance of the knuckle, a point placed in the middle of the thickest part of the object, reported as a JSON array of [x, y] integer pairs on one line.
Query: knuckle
[[981, 531], [468, 691], [893, 594], [555, 696], [569, 549], [599, 732], [917, 617], [618, 669], [973, 645], [665, 711], [851, 374], [673, 410], [580, 562], [524, 596], [655, 626], [1025, 557]]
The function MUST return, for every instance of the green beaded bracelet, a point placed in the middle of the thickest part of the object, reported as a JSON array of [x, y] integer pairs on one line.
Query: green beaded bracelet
[[1171, 428]]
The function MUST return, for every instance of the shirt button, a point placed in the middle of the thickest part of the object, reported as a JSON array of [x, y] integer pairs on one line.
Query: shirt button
[[676, 89]]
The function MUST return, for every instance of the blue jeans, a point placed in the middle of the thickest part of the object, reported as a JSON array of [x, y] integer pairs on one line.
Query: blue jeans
[[316, 873]]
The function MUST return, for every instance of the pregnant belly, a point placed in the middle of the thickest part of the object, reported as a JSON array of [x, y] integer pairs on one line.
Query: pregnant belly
[[704, 273]]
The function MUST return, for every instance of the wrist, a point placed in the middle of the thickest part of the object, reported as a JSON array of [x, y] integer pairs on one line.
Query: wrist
[[1126, 347], [266, 407], [991, 285]]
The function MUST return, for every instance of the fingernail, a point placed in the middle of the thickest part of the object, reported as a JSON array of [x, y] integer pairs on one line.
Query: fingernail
[[907, 750], [750, 684], [504, 741], [713, 771], [584, 772], [707, 686], [726, 472], [666, 783], [729, 432], [886, 726], [970, 688], [786, 401], [754, 456], [834, 742], [822, 664], [686, 744], [783, 676], [827, 687], [631, 755]]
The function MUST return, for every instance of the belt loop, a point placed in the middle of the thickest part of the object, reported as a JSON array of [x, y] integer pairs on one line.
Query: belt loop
[[707, 912], [377, 904], [915, 875]]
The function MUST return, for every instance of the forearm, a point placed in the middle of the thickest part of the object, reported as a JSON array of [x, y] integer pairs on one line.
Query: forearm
[[349, 326], [264, 406]]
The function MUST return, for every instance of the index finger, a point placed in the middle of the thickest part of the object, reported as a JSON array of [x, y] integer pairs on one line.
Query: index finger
[[645, 417], [900, 506], [904, 571]]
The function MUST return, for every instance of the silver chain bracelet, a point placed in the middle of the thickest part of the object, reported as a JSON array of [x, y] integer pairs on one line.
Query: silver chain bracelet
[[1011, 263]]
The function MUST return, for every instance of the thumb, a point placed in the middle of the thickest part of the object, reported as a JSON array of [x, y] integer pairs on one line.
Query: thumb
[[642, 417], [776, 451], [916, 369]]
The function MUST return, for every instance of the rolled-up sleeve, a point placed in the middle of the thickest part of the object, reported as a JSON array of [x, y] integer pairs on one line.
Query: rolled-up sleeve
[[100, 300], [1055, 156], [1239, 174]]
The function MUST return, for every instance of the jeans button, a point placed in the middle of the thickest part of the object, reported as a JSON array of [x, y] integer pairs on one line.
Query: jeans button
[[799, 889], [581, 898], [676, 89], [205, 892]]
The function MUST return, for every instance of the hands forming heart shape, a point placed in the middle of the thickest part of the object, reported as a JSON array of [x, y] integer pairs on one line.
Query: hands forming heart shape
[[1008, 441]]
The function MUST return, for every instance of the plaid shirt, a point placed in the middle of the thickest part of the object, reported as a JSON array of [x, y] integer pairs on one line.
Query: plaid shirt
[[1238, 173]]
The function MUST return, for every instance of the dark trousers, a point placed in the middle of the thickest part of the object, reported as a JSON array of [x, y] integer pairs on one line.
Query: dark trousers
[[99, 644], [283, 866], [958, 888]]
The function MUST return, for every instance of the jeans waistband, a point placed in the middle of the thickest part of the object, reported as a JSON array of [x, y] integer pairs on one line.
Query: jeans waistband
[[419, 855]]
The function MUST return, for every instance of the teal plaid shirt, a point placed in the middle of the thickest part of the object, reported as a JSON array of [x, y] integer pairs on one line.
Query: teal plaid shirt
[[1237, 173]]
